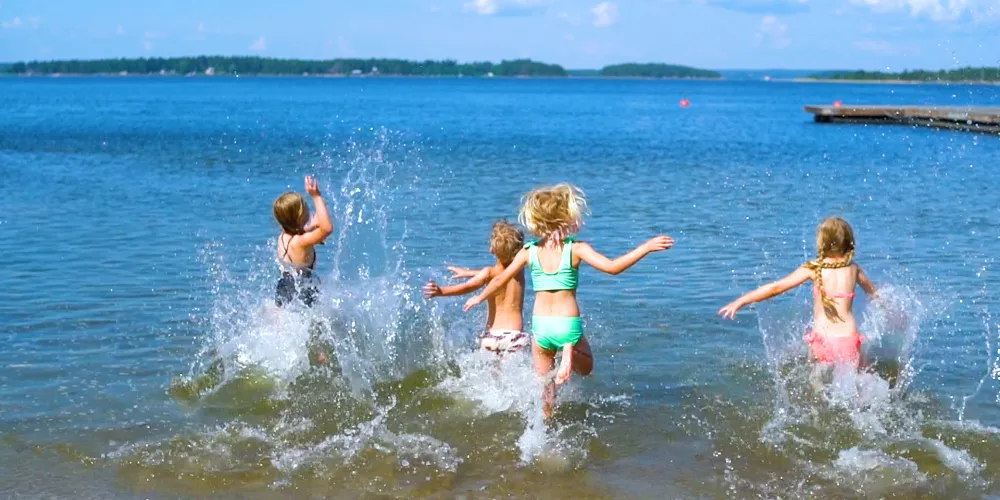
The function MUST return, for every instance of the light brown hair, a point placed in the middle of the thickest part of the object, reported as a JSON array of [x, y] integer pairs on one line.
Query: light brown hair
[[554, 213], [505, 241], [834, 238], [291, 212]]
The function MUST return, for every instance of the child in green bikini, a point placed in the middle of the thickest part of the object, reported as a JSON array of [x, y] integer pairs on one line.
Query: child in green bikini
[[554, 215]]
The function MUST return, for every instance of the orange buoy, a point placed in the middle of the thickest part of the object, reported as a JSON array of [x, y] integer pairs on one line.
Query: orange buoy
[[837, 104], [685, 103]]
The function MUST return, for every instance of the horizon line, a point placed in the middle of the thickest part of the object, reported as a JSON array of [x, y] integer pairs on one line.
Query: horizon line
[[567, 68]]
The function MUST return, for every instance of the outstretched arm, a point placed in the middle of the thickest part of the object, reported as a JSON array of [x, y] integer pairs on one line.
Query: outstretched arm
[[767, 291], [601, 263], [432, 290], [462, 272], [866, 284], [497, 283]]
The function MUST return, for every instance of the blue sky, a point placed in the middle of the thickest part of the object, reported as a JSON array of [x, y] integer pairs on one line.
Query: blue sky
[[718, 34]]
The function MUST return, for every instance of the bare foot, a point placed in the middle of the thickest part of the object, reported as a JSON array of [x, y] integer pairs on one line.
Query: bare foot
[[565, 366], [321, 358]]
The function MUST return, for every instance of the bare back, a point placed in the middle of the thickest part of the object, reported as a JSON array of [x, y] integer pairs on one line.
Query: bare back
[[507, 306], [291, 253], [839, 285]]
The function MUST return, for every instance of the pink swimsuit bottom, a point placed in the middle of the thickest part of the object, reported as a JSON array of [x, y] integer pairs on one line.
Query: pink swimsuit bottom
[[835, 349]]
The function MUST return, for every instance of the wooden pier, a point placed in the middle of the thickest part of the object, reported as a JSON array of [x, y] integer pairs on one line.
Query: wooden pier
[[971, 119]]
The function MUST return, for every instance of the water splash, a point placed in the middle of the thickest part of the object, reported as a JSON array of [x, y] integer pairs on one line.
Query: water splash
[[392, 408]]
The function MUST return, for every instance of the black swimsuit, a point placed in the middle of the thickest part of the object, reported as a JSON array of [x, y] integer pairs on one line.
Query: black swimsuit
[[296, 284]]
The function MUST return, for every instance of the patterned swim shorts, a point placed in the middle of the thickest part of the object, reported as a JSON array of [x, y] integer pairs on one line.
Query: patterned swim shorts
[[504, 341]]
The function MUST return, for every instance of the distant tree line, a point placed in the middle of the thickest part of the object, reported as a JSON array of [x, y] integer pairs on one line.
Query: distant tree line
[[657, 70], [222, 65], [269, 66], [969, 74]]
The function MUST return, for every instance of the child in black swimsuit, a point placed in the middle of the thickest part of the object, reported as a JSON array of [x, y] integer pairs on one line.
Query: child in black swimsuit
[[296, 251], [299, 236]]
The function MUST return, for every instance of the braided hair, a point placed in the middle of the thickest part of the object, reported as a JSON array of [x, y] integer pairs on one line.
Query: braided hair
[[834, 237]]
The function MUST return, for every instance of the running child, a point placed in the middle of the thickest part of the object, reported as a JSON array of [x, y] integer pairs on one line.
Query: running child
[[834, 338], [554, 215], [504, 325], [296, 246]]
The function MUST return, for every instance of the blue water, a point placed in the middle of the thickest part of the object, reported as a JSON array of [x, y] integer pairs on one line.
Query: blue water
[[138, 245]]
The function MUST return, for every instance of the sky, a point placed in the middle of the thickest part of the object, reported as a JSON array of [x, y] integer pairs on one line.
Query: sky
[[578, 34]]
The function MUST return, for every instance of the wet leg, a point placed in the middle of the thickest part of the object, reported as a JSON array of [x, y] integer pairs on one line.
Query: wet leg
[[576, 358], [583, 360], [819, 371], [544, 361], [316, 348]]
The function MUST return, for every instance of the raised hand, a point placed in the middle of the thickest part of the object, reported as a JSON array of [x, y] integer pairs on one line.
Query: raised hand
[[312, 186]]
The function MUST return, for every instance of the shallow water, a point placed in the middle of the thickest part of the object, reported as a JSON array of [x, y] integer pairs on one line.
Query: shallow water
[[140, 359]]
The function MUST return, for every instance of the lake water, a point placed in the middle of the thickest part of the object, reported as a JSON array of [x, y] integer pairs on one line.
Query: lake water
[[139, 358]]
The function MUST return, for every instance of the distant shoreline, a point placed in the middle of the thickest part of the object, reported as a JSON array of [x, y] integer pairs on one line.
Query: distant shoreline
[[357, 77], [200, 76], [263, 66], [887, 82]]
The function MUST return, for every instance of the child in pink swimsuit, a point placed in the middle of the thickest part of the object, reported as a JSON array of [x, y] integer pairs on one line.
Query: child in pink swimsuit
[[834, 338]]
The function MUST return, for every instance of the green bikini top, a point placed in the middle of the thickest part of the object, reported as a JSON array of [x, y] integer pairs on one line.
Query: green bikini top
[[565, 278]]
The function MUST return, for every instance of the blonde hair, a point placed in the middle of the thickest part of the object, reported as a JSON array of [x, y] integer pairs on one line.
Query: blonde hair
[[554, 213], [834, 238], [291, 212], [505, 241]]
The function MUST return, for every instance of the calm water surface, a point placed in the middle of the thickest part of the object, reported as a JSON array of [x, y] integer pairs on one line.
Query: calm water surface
[[140, 360]]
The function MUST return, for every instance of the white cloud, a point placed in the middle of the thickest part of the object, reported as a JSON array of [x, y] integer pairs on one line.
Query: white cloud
[[17, 22], [120, 30], [773, 31], [877, 47], [569, 18], [12, 24], [493, 7], [937, 10], [258, 45], [605, 14], [147, 39], [339, 47], [200, 32]]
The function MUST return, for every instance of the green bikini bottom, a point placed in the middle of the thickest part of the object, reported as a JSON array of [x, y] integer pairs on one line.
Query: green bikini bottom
[[554, 332]]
